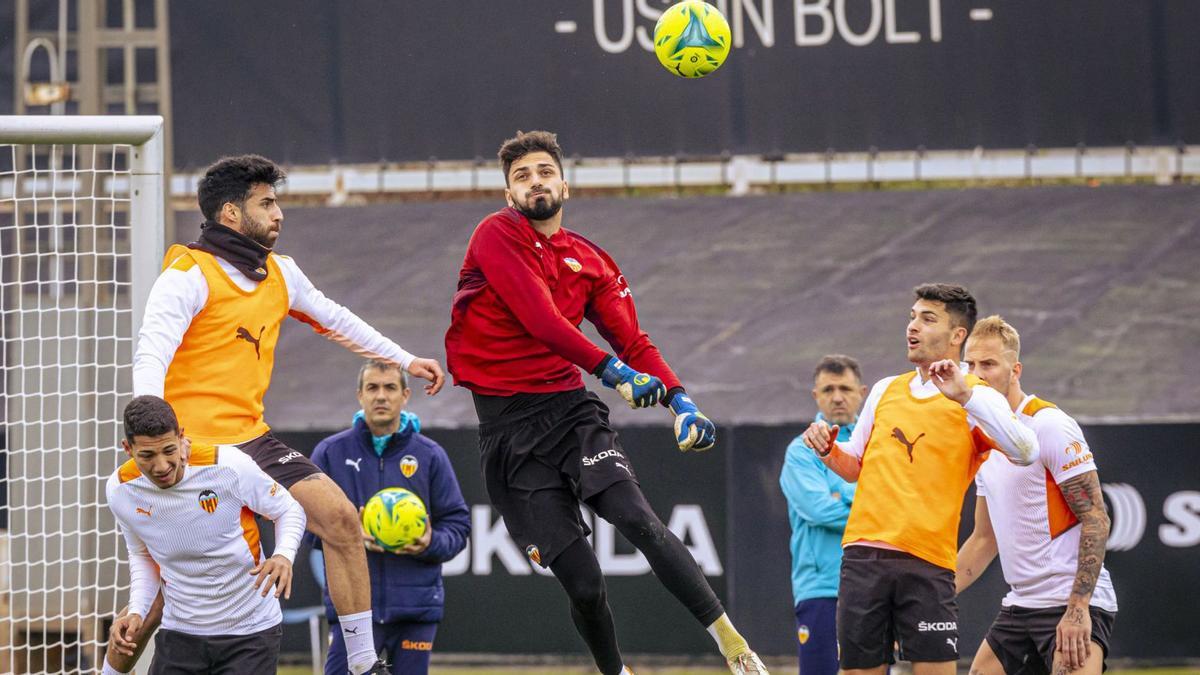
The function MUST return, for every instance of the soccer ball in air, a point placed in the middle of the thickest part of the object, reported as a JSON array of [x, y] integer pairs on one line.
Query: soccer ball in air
[[691, 39], [395, 517]]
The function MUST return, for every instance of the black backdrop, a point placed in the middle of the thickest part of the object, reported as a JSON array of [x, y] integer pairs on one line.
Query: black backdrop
[[1151, 483], [736, 487], [308, 81], [314, 81]]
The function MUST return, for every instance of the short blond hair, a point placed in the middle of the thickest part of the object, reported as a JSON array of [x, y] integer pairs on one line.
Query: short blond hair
[[995, 326]]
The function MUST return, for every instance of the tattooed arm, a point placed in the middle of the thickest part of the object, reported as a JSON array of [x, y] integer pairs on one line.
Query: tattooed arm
[[1083, 496]]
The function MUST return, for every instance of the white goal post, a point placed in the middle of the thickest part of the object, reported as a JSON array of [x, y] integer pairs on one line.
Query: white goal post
[[81, 238]]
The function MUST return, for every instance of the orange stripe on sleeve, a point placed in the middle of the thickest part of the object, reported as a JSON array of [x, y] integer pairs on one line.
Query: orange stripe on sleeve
[[304, 318], [335, 336], [1061, 518], [250, 534], [983, 447]]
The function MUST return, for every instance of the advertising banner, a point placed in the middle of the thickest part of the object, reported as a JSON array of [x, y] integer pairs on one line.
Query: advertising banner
[[727, 507]]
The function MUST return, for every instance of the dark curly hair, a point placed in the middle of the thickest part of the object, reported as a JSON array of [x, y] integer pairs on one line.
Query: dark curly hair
[[526, 142], [230, 179]]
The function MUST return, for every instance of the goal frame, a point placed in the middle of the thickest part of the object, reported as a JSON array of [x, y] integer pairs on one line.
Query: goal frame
[[145, 134], [147, 184]]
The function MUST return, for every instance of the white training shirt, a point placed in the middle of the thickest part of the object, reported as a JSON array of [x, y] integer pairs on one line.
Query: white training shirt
[[1036, 532], [202, 559], [987, 409], [178, 296]]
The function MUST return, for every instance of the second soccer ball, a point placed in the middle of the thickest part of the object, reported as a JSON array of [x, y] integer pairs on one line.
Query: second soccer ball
[[395, 517], [691, 39]]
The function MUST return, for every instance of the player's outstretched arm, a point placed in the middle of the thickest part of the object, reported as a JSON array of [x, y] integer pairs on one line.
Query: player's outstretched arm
[[977, 551], [806, 489], [693, 431], [822, 438], [428, 369], [949, 378], [309, 305], [640, 390], [990, 410]]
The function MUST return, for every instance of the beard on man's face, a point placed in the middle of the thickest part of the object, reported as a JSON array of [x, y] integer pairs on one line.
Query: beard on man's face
[[259, 232], [542, 209]]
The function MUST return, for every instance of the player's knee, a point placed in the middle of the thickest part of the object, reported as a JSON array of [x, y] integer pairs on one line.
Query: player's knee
[[589, 596], [627, 509], [583, 583], [337, 524], [641, 527]]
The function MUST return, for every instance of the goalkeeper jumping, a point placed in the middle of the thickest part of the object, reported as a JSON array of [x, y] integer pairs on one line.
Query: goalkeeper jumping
[[525, 286]]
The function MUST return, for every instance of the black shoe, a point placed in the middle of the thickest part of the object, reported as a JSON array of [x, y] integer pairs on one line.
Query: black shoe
[[381, 667]]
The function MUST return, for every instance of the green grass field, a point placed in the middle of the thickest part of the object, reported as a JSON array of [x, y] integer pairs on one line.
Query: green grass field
[[541, 670]]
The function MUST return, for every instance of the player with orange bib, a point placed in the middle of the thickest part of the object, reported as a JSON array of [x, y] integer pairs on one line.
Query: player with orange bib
[[916, 446], [207, 345]]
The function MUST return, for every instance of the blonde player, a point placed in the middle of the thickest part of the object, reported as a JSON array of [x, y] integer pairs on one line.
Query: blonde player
[[207, 345], [1048, 523], [188, 521], [918, 442]]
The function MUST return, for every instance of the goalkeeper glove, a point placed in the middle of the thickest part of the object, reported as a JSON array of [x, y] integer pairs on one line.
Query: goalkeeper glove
[[638, 389], [693, 431]]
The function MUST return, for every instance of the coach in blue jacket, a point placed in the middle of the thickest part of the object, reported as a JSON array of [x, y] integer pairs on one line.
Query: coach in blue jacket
[[818, 506], [384, 448]]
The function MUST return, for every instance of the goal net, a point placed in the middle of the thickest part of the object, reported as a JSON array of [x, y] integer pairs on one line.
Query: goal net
[[81, 211]]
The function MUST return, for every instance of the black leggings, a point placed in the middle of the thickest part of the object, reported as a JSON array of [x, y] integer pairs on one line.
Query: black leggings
[[577, 569]]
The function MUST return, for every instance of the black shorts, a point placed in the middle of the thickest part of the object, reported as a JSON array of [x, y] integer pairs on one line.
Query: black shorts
[[890, 596], [540, 462], [1024, 638], [285, 465], [178, 653]]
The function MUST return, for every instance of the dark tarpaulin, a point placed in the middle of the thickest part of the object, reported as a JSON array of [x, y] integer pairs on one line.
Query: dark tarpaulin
[[314, 82]]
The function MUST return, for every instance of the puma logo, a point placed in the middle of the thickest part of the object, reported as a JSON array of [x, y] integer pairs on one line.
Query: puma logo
[[243, 334], [624, 467], [899, 435], [347, 629], [355, 463], [953, 642], [144, 512]]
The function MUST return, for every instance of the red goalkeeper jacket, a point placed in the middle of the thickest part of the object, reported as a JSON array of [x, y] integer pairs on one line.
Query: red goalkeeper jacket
[[514, 322]]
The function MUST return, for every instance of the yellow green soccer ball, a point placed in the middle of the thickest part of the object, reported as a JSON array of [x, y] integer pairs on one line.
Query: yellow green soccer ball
[[692, 38], [395, 517]]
